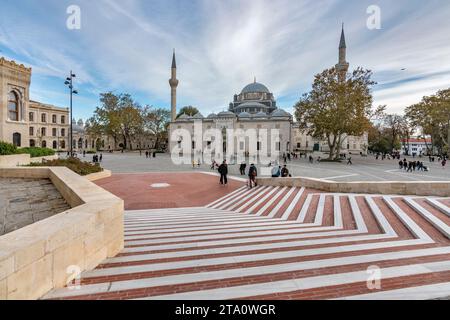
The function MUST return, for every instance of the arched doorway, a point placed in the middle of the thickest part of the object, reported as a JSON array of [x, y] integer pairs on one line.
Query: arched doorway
[[17, 139]]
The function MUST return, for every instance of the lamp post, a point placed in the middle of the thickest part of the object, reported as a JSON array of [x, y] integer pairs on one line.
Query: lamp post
[[69, 83]]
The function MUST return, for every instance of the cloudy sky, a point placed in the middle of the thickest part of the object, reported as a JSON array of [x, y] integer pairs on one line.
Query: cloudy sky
[[126, 46]]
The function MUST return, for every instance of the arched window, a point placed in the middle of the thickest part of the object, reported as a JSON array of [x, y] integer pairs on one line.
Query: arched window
[[17, 139], [63, 144], [32, 143], [13, 106], [44, 144], [55, 145], [80, 144]]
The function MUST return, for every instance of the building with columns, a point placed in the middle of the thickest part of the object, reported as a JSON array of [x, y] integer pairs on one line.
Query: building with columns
[[255, 107]]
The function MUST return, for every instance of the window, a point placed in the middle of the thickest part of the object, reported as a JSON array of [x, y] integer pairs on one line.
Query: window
[[54, 118], [13, 106], [299, 145], [17, 137], [258, 146], [32, 143], [55, 145], [31, 131], [44, 117], [63, 132], [63, 144], [63, 119], [43, 132], [44, 144], [54, 132], [31, 116]]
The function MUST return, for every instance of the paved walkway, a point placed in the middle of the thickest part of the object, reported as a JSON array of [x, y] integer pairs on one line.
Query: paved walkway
[[167, 190], [280, 243]]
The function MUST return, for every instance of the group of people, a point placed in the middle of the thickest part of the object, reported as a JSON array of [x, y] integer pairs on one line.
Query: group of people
[[410, 166], [223, 171], [96, 158], [149, 154], [279, 171]]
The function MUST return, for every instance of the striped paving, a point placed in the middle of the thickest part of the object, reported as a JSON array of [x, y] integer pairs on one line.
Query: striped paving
[[280, 243]]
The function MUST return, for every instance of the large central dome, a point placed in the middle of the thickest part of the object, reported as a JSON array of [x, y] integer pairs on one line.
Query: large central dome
[[255, 87]]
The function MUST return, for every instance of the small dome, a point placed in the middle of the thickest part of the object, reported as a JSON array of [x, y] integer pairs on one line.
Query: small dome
[[280, 113], [78, 129], [255, 87], [198, 116], [226, 114], [260, 115], [244, 115], [212, 116], [184, 116]]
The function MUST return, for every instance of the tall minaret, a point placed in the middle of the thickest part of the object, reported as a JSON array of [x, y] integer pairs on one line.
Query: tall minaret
[[173, 81], [343, 65]]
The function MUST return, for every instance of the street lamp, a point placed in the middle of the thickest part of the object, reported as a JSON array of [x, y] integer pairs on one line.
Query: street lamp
[[69, 83]]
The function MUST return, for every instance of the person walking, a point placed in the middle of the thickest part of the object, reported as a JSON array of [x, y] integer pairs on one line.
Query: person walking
[[223, 170], [444, 162], [349, 162], [252, 174], [242, 168], [101, 157]]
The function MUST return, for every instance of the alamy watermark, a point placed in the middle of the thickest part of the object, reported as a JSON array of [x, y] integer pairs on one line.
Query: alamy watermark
[[73, 21], [374, 19]]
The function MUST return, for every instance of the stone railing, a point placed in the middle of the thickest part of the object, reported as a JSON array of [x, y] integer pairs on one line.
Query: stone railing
[[420, 188], [22, 160], [50, 253]]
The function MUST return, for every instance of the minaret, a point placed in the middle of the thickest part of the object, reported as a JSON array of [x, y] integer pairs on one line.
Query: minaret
[[343, 65], [173, 81]]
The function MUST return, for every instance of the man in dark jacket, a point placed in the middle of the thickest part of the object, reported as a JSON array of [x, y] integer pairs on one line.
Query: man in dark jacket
[[284, 172], [252, 174], [223, 170]]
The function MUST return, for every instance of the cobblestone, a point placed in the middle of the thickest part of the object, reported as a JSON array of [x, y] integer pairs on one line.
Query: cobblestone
[[25, 201]]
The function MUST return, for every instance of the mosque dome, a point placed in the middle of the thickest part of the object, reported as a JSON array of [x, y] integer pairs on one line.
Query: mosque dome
[[244, 115], [212, 116], [184, 116], [261, 115], [198, 116], [255, 87], [226, 114], [280, 113]]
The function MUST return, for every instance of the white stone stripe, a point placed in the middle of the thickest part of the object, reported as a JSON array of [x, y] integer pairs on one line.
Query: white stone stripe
[[225, 204], [427, 292], [249, 199], [320, 210], [262, 235], [225, 197], [407, 221], [337, 212], [304, 211], [439, 205], [304, 283], [431, 218], [226, 260], [292, 205], [150, 247], [271, 202], [257, 225], [280, 204], [246, 272], [382, 221], [360, 224], [227, 231], [260, 201], [145, 211]]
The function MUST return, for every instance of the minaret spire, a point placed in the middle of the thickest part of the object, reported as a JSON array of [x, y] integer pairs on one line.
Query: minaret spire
[[343, 65], [173, 81]]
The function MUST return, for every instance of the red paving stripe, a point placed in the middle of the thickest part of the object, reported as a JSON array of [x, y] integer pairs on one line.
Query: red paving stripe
[[231, 282]]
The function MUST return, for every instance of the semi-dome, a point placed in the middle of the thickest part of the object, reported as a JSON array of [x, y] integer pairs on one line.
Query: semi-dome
[[280, 113], [255, 87], [184, 116], [226, 114], [251, 104]]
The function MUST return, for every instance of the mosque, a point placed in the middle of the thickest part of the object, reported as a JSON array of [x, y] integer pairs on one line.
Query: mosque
[[255, 107]]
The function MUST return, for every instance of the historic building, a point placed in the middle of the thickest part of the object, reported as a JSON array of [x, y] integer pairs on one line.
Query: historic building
[[255, 107]]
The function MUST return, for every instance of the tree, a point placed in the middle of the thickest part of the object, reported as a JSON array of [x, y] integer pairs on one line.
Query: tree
[[156, 122], [432, 116], [335, 108], [188, 110], [94, 129]]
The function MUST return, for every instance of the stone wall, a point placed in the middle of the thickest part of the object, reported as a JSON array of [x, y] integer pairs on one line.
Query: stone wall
[[23, 160], [420, 188], [50, 253]]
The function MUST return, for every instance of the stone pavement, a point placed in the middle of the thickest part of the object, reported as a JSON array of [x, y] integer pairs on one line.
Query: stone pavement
[[363, 169], [280, 243], [25, 201], [166, 190]]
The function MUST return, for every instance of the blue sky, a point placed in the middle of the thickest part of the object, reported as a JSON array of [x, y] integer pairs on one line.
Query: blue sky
[[126, 46]]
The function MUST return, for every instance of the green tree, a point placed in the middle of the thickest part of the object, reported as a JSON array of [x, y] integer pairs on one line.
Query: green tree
[[335, 108], [188, 110], [157, 122]]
